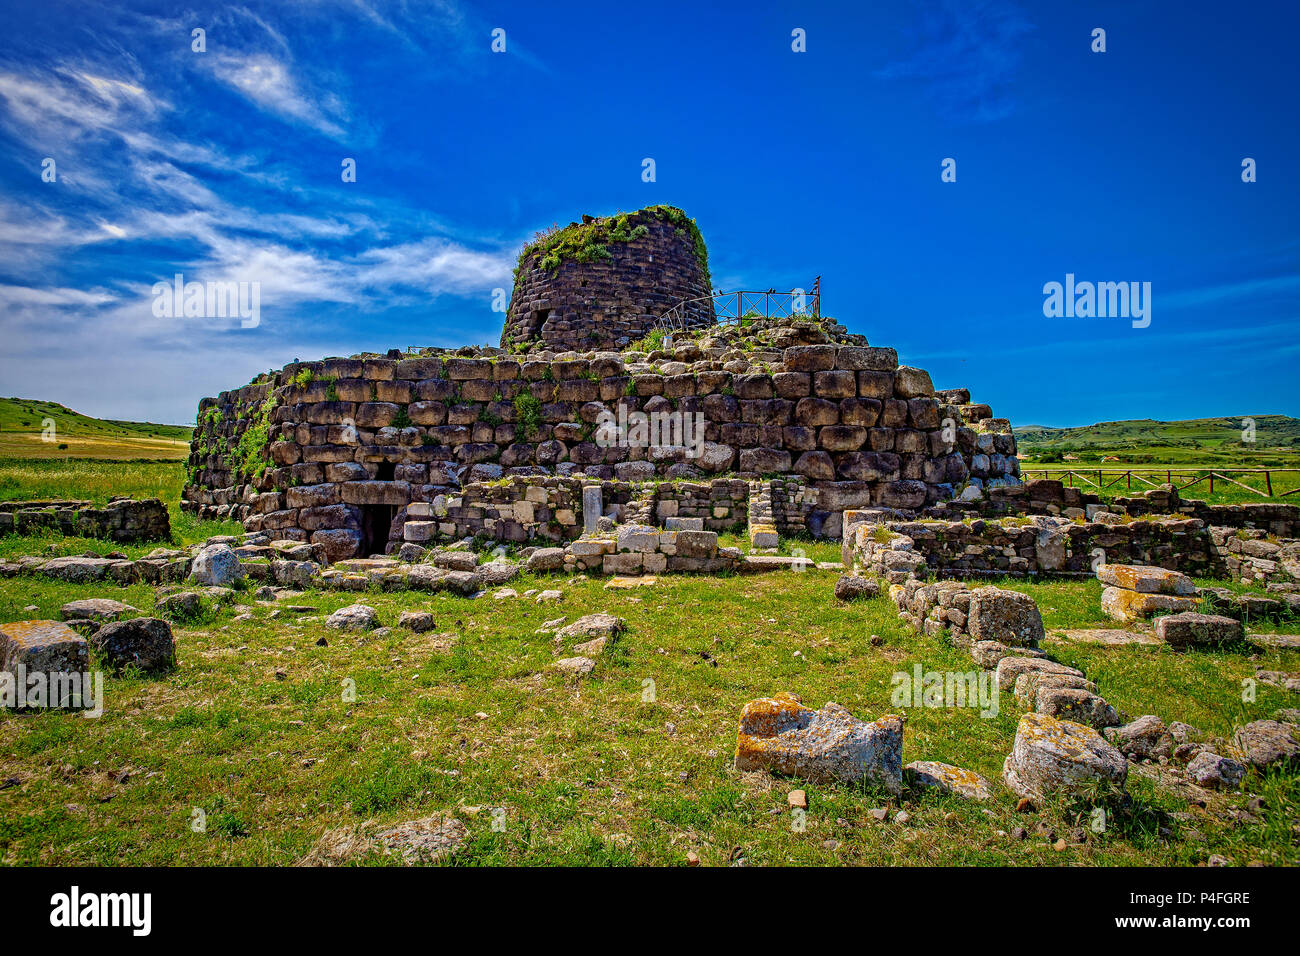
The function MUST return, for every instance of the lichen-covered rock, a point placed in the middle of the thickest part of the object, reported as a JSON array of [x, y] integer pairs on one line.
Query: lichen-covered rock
[[217, 565], [1208, 769], [577, 666], [355, 617], [1077, 704], [949, 779], [781, 735], [1147, 737], [1010, 669], [1269, 744], [988, 654], [1052, 757], [852, 587], [1029, 683], [181, 606], [417, 621], [594, 626], [1146, 580], [145, 642], [1190, 629], [1006, 616], [49, 647], [1120, 604]]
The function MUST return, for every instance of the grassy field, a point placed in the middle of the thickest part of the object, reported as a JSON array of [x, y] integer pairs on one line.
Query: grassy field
[[1222, 442], [253, 730], [32, 429]]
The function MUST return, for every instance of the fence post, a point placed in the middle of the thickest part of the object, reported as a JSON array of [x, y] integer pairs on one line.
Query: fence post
[[1268, 482]]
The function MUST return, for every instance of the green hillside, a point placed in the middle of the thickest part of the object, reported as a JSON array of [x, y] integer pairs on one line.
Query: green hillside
[[25, 432], [1217, 441]]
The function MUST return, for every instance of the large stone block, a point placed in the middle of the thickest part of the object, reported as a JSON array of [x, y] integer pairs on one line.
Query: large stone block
[[1123, 605], [1052, 758], [143, 642], [1190, 629], [48, 647], [1006, 616], [780, 735], [1146, 580]]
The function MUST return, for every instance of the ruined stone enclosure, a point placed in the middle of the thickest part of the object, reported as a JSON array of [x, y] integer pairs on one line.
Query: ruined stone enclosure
[[603, 283], [798, 421]]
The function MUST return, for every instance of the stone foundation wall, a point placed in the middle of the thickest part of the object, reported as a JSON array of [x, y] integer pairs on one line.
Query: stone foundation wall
[[1041, 545], [122, 519]]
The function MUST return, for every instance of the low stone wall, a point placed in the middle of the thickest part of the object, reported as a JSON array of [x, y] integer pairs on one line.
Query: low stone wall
[[1041, 545], [122, 519], [640, 549]]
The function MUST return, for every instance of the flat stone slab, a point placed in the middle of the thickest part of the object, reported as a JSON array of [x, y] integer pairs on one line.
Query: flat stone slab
[[1109, 637], [1283, 641], [1146, 580], [1190, 629], [78, 569], [94, 609], [622, 583], [773, 562]]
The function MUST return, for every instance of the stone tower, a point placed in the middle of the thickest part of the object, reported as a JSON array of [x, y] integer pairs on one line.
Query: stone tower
[[603, 283]]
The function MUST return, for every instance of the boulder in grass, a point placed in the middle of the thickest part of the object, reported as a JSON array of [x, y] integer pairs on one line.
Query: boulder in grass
[[1077, 704], [854, 587], [1052, 757], [949, 779], [217, 565], [1269, 744], [1208, 769], [781, 735], [143, 642], [355, 617], [1006, 616], [417, 621], [1190, 629], [1146, 738], [89, 614], [546, 559], [577, 666], [591, 626]]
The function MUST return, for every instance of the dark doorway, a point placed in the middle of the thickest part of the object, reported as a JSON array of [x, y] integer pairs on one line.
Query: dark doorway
[[387, 471], [376, 520]]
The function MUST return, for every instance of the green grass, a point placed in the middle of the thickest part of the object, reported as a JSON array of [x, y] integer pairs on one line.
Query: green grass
[[97, 481], [36, 429], [588, 772]]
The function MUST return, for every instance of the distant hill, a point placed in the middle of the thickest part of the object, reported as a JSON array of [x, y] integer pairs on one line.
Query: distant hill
[[24, 427], [1146, 441]]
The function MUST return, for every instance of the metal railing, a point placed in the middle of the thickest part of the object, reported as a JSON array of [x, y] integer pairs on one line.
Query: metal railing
[[732, 307]]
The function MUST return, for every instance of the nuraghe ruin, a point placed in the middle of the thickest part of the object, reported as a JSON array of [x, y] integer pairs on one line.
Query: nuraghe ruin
[[799, 419]]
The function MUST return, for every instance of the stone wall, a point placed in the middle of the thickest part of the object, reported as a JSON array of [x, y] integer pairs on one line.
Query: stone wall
[[122, 519], [318, 450], [567, 298], [1044, 545]]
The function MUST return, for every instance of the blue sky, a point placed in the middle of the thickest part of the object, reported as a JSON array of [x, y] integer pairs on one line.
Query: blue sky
[[225, 165]]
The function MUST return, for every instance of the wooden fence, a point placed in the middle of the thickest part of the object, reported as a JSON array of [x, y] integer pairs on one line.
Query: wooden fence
[[1180, 478]]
